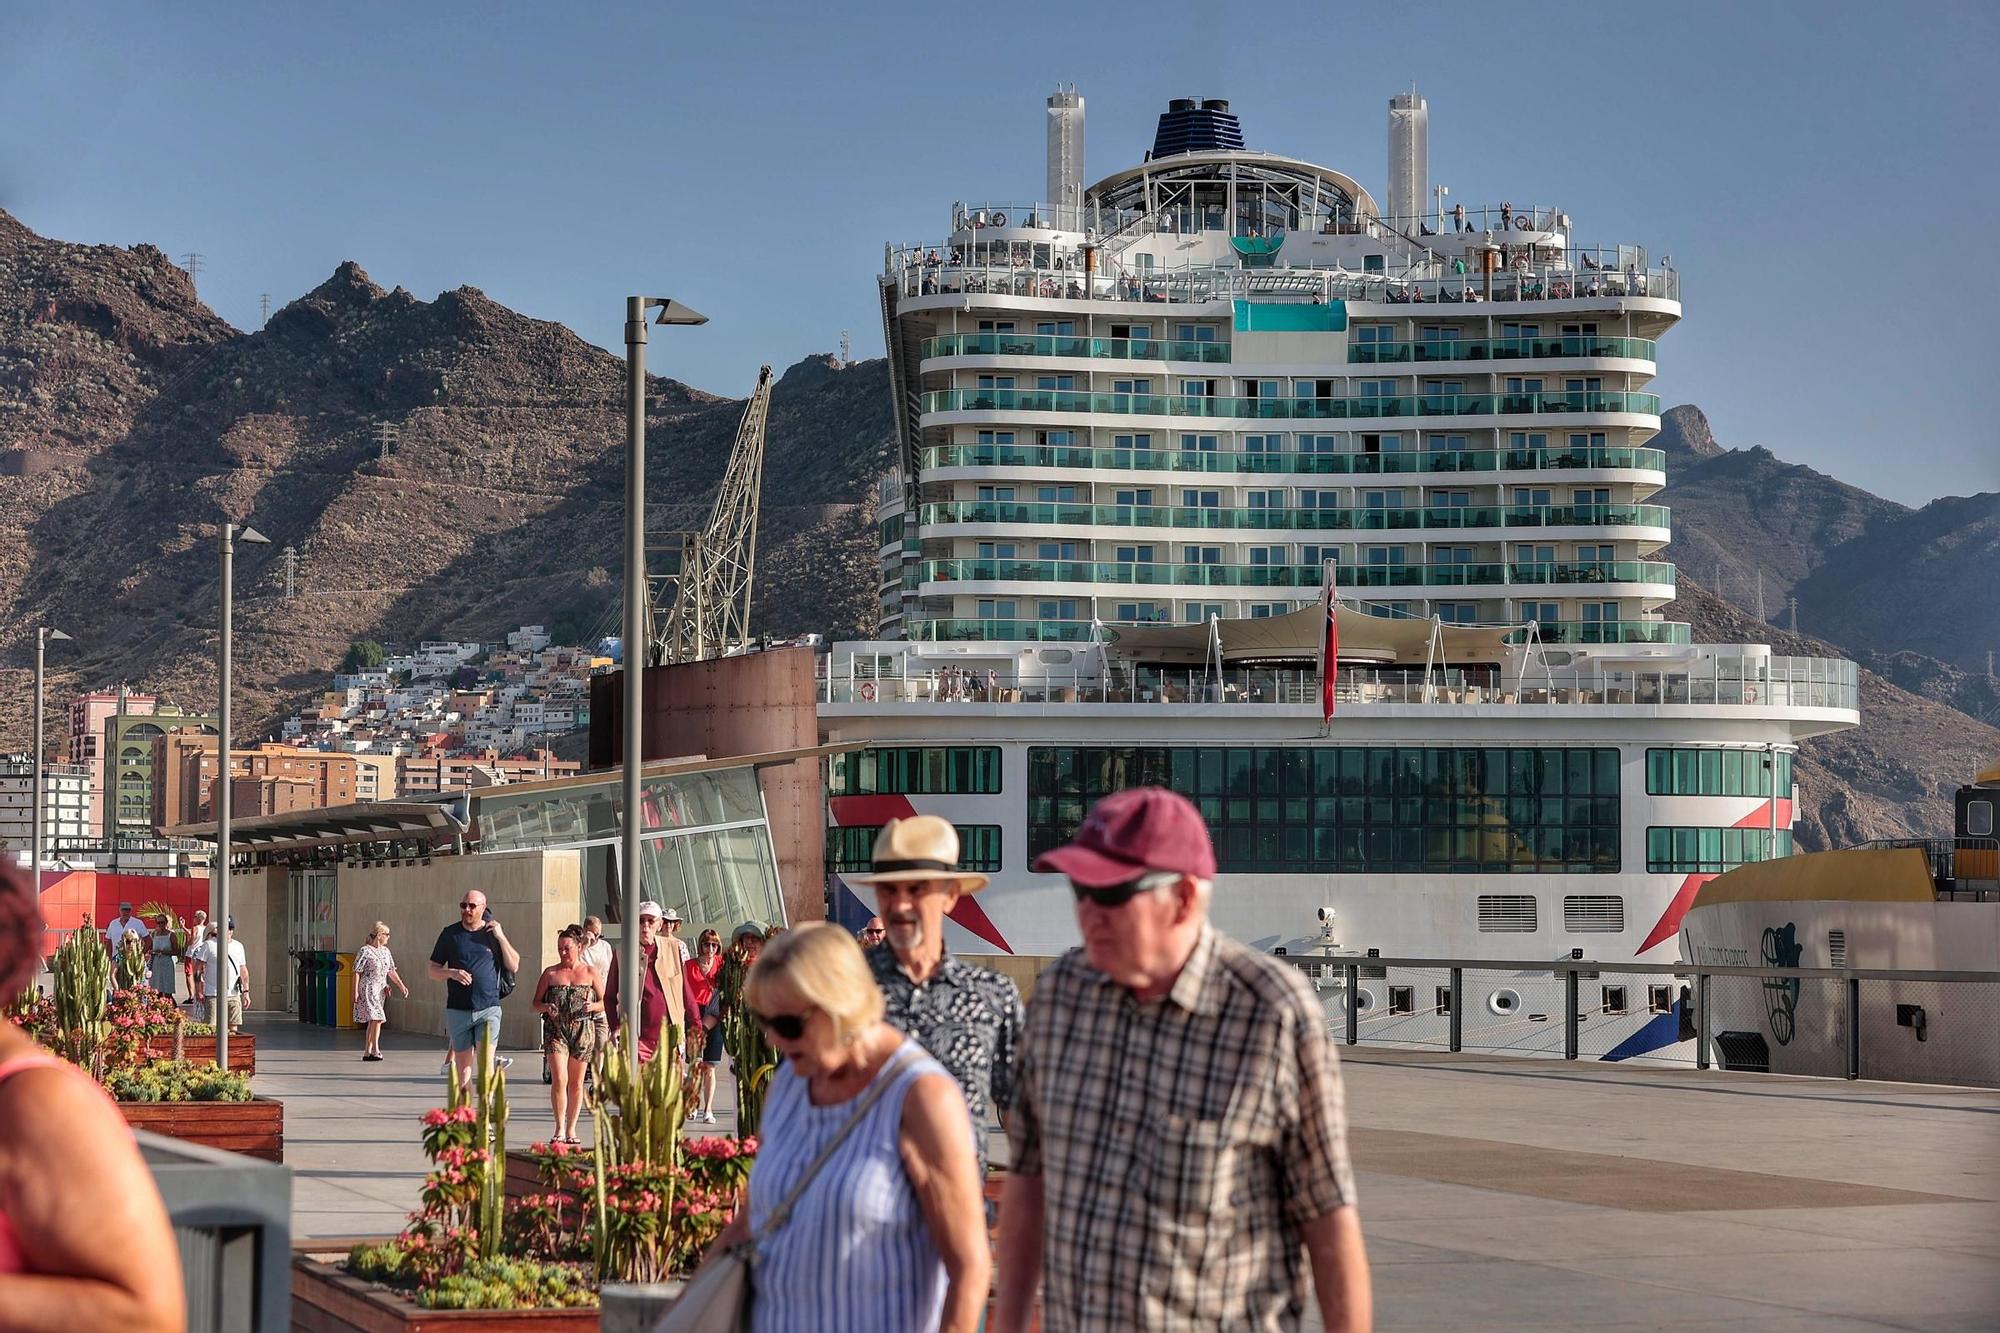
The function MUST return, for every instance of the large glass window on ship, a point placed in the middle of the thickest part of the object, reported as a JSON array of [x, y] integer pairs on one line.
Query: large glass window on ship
[[1357, 809], [917, 770], [1696, 771]]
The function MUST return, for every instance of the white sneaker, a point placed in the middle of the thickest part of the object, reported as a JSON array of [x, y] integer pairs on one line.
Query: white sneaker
[[444, 1068], [506, 1062], [709, 1116]]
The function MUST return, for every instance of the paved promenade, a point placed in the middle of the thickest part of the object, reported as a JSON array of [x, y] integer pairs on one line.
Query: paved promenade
[[1497, 1193]]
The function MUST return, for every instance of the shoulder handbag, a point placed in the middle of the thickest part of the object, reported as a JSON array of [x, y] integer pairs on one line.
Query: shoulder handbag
[[718, 1299]]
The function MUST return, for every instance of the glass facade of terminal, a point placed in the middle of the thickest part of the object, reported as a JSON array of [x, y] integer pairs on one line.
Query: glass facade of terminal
[[1293, 809]]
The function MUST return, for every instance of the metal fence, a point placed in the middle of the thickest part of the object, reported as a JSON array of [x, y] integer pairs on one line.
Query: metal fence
[[1901, 1025], [232, 1218]]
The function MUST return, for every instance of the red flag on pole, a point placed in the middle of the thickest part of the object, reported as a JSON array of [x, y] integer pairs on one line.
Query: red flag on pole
[[1329, 660]]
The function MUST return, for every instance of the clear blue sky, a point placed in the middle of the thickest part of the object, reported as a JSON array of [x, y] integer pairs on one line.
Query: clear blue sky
[[1826, 177]]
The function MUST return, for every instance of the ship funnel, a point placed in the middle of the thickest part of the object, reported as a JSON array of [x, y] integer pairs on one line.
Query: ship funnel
[[1066, 157], [1409, 158]]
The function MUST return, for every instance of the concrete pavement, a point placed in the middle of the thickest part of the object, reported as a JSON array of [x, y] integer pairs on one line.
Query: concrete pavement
[[1496, 1193]]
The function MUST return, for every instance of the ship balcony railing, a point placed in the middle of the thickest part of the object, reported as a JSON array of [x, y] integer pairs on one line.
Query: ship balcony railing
[[1343, 463], [1525, 403], [1454, 575], [1501, 349], [1211, 351], [1963, 869], [1504, 221], [1099, 677], [1606, 632], [1045, 344], [1290, 518], [916, 276]]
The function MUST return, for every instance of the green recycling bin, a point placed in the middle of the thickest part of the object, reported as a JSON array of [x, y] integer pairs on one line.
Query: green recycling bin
[[324, 994], [343, 990]]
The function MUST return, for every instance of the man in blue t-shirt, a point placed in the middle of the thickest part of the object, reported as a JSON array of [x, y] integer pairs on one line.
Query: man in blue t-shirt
[[469, 957]]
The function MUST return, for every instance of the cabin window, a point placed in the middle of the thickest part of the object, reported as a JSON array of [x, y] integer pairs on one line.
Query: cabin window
[[1979, 819]]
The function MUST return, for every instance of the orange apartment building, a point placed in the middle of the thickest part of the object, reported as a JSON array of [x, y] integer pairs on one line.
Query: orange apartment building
[[418, 776], [267, 779]]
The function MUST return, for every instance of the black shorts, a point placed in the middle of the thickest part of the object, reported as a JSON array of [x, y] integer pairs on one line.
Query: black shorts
[[711, 1051]]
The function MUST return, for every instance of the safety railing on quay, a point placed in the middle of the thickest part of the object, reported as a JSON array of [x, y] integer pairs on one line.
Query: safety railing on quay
[[1893, 1024], [1301, 460], [899, 678], [1540, 402]]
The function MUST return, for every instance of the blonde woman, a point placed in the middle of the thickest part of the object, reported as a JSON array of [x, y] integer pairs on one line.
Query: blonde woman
[[888, 1233], [374, 970]]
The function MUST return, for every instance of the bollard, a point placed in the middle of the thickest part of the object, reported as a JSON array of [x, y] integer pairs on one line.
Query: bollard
[[1353, 1004], [1458, 1009], [1853, 1028], [1571, 1013], [1701, 1020], [634, 1307]]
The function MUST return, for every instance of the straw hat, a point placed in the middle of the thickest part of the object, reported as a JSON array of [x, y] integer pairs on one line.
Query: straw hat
[[918, 848]]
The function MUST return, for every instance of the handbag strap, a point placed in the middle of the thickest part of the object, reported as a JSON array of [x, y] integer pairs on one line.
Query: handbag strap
[[783, 1211]]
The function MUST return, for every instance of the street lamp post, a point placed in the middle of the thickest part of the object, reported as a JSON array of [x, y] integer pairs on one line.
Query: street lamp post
[[42, 636], [219, 871], [638, 648]]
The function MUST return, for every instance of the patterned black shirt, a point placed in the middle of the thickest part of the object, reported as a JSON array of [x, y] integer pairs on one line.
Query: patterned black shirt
[[968, 1017]]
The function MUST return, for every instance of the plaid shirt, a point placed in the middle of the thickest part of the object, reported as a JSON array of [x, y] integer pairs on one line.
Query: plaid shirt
[[1181, 1142]]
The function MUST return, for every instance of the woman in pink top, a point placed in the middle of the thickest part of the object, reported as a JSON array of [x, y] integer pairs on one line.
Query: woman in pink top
[[84, 1240]]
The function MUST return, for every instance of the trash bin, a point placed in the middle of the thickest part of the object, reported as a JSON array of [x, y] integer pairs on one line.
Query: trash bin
[[323, 988], [343, 990], [304, 961]]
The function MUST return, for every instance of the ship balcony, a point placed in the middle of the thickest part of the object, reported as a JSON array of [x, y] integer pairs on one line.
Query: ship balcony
[[1644, 579], [1615, 407], [1604, 463], [944, 285], [1641, 352], [1607, 632], [1638, 522]]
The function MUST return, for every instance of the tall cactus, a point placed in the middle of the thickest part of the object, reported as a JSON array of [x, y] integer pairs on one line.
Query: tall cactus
[[752, 1056], [639, 1109], [82, 980], [488, 1099]]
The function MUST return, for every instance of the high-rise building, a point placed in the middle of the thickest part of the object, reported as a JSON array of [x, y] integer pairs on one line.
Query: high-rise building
[[88, 714], [129, 745], [66, 801], [266, 779]]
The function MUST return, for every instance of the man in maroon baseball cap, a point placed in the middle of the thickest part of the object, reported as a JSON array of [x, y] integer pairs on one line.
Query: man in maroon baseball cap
[[1160, 1178]]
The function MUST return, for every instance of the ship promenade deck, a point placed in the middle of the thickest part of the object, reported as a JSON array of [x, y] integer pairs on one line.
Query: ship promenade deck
[[1496, 1192]]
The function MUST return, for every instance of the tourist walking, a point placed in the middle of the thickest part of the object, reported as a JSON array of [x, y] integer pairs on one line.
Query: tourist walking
[[469, 956], [197, 936], [568, 997], [662, 991], [162, 959], [969, 1018], [671, 924], [122, 925], [1180, 1143], [598, 953], [864, 1200], [374, 973], [872, 932], [704, 980], [230, 980], [84, 1240]]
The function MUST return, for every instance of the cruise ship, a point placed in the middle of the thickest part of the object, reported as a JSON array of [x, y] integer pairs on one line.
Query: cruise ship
[[1162, 437]]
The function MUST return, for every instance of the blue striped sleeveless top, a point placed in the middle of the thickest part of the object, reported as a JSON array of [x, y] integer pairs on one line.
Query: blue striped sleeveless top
[[856, 1252]]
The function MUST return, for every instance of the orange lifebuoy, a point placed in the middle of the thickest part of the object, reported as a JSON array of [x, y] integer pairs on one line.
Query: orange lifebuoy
[[1559, 290], [867, 691], [1749, 694]]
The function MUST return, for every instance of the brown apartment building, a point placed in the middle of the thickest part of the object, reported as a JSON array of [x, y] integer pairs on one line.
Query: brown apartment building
[[267, 779], [430, 774]]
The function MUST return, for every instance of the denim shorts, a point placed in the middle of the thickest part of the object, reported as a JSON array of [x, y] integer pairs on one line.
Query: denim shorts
[[462, 1027]]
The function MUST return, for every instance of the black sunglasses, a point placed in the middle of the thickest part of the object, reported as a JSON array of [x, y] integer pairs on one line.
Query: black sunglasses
[[1117, 895], [786, 1027]]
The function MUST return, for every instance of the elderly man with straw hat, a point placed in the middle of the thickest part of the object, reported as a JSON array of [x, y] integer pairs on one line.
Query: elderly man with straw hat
[[969, 1018]]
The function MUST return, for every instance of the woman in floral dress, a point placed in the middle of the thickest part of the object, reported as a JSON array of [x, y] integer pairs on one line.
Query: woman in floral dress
[[374, 969]]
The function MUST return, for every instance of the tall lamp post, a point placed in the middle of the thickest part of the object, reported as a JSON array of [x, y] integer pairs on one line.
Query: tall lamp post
[[219, 871], [638, 649], [42, 636]]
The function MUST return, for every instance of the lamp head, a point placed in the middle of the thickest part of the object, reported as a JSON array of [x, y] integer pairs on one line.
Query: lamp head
[[48, 633], [673, 312], [254, 537]]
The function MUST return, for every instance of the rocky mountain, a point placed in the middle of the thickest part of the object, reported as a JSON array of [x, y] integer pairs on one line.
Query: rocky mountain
[[132, 419], [1891, 777], [1871, 575]]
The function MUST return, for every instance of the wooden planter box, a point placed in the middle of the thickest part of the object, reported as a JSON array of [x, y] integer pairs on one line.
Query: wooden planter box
[[326, 1300], [255, 1128], [201, 1051]]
